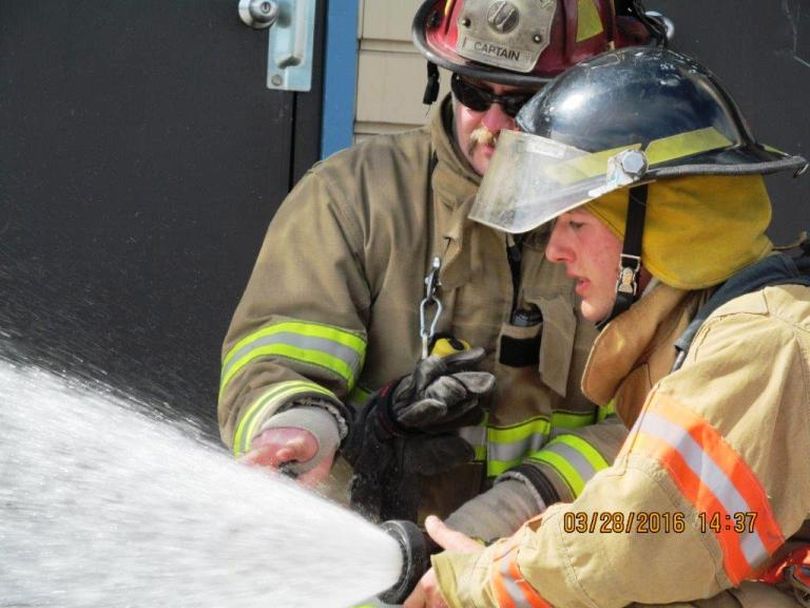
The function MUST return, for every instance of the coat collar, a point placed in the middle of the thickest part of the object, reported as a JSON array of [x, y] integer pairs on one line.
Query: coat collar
[[454, 179], [454, 184], [626, 342]]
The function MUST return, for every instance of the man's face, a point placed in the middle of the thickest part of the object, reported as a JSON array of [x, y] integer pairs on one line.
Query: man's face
[[590, 252], [477, 130]]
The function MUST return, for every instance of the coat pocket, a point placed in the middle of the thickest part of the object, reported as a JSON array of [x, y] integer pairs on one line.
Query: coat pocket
[[557, 342]]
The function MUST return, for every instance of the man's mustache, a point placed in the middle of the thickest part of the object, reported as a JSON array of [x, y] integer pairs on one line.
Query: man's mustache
[[481, 135]]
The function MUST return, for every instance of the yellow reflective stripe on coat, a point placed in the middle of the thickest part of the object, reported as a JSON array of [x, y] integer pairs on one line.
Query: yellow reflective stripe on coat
[[603, 411], [507, 447], [359, 397], [714, 478], [336, 350], [574, 459], [254, 415]]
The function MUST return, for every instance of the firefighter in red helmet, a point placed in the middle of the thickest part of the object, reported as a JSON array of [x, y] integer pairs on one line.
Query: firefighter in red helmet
[[500, 50], [527, 42], [402, 357]]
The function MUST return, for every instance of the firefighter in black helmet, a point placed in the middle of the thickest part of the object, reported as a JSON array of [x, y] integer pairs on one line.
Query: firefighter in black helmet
[[655, 186]]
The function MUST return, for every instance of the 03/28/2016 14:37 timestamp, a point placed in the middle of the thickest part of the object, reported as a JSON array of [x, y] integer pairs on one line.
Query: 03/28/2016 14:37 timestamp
[[654, 522]]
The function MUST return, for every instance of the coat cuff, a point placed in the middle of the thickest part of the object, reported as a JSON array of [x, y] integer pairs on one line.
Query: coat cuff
[[314, 420], [498, 512], [549, 487], [278, 398], [463, 578]]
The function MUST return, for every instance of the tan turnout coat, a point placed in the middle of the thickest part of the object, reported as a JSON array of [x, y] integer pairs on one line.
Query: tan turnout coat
[[728, 433], [332, 311]]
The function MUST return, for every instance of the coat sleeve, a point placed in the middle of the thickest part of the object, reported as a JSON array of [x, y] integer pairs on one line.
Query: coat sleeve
[[555, 473], [560, 469], [298, 333], [710, 482]]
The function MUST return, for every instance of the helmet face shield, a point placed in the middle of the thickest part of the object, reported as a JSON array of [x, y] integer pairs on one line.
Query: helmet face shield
[[531, 180]]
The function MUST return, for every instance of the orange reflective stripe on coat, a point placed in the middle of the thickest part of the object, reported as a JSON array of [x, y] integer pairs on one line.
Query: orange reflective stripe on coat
[[510, 587], [714, 478]]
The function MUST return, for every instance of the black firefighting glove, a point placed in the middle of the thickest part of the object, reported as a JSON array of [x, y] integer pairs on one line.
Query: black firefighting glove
[[407, 430]]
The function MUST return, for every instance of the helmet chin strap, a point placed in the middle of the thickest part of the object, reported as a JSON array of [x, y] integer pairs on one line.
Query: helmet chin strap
[[432, 86], [630, 259]]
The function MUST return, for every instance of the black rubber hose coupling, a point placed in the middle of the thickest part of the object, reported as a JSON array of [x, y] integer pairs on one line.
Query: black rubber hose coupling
[[416, 552]]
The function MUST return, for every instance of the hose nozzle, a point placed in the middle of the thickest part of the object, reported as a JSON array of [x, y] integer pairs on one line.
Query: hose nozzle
[[415, 558]]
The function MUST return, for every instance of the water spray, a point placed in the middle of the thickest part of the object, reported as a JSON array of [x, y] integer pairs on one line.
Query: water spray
[[103, 503]]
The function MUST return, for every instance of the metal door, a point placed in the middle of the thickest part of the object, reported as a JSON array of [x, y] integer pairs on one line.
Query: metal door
[[141, 158]]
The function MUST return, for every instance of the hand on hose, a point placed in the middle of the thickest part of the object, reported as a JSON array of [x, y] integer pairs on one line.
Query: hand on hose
[[275, 448], [427, 593], [407, 429], [288, 444]]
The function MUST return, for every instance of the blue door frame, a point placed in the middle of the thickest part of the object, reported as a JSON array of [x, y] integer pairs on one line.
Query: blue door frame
[[340, 76]]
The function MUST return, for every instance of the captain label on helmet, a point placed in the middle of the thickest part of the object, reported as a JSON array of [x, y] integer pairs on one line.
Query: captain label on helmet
[[493, 50], [505, 38]]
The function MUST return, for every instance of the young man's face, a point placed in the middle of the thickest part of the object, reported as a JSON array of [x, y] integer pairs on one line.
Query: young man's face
[[590, 252], [477, 131]]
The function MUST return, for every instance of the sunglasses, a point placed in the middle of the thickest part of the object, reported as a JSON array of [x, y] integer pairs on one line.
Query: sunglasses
[[479, 98]]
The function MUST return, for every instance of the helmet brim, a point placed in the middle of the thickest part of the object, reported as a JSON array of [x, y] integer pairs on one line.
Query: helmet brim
[[531, 179], [740, 160]]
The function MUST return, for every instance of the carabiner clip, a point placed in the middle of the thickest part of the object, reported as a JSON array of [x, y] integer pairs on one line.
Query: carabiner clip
[[427, 329]]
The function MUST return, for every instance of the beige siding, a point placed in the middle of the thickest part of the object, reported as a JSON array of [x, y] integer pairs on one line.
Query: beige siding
[[391, 73]]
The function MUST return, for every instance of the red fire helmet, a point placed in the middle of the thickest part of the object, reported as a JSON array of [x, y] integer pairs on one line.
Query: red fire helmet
[[527, 42]]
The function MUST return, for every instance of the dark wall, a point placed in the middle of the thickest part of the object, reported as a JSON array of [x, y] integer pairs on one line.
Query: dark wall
[[141, 159], [760, 51]]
